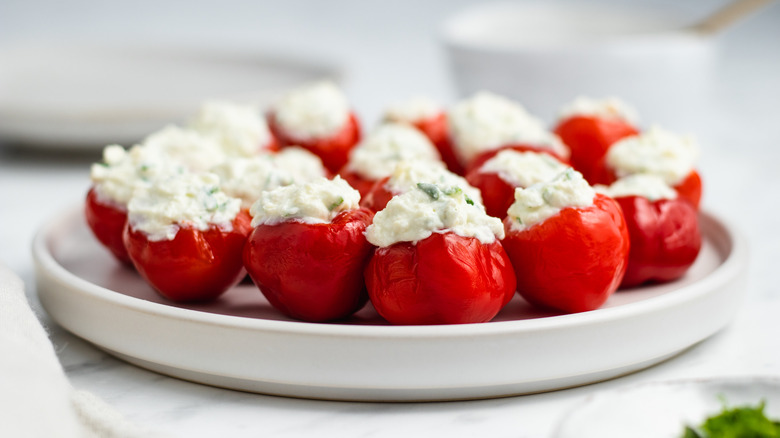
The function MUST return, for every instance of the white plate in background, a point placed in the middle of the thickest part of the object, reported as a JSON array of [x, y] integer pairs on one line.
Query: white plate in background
[[240, 342], [84, 97], [663, 409]]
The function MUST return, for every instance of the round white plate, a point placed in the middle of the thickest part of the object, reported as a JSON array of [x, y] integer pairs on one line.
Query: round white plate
[[240, 342], [84, 97], [663, 409]]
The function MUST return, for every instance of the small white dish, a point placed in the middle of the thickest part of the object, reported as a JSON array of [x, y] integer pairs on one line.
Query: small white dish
[[663, 409], [71, 97], [546, 54], [240, 342]]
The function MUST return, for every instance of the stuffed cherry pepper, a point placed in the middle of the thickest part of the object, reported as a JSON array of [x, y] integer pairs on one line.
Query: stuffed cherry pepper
[[430, 118], [406, 176], [589, 127], [660, 152], [113, 182], [308, 249], [439, 259], [317, 117], [568, 244], [486, 123], [185, 237], [498, 177], [240, 129], [377, 154], [663, 229]]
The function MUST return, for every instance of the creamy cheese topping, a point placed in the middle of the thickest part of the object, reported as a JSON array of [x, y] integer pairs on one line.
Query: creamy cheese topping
[[546, 199], [488, 121], [377, 155], [121, 172], [317, 110], [657, 151], [522, 169], [240, 129], [408, 174], [247, 178], [196, 151], [607, 108], [428, 209], [649, 186], [318, 201], [194, 200], [413, 110]]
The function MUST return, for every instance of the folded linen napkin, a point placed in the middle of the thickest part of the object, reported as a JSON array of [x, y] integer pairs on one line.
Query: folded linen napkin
[[36, 399]]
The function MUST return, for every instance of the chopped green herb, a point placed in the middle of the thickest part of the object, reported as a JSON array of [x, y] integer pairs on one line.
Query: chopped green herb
[[213, 190], [452, 190], [429, 189], [338, 202], [741, 421], [469, 201]]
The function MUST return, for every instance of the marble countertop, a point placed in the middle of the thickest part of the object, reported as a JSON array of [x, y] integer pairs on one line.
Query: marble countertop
[[740, 135]]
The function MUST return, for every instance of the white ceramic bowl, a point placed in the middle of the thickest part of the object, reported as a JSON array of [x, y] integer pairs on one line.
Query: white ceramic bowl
[[544, 55]]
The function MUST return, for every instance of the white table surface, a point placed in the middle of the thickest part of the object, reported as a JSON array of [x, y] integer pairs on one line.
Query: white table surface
[[394, 45]]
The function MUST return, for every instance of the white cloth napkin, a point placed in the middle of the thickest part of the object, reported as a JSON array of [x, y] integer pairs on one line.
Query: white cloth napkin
[[36, 399]]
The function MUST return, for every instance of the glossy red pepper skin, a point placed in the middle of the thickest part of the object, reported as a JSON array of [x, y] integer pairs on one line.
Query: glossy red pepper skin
[[690, 189], [333, 150], [589, 139], [312, 272], [573, 261], [480, 159], [497, 194], [665, 239], [377, 198], [443, 279], [107, 221], [193, 266], [436, 128]]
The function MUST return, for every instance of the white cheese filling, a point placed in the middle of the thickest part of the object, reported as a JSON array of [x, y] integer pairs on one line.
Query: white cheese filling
[[122, 171], [609, 108], [523, 169], [196, 151], [247, 178], [407, 174], [186, 200], [413, 110], [317, 201], [657, 151], [241, 130], [316, 110], [487, 121], [649, 186], [377, 155], [544, 200], [430, 208]]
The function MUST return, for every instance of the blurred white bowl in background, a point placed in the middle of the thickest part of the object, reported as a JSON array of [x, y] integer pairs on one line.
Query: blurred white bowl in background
[[544, 55]]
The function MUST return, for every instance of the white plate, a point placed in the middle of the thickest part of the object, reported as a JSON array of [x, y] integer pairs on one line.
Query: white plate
[[663, 409], [84, 97], [241, 342]]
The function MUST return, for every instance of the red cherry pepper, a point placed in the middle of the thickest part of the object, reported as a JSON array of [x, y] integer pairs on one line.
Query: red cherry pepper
[[573, 261], [589, 139], [442, 279], [195, 265], [312, 272], [333, 150], [665, 238], [107, 221]]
